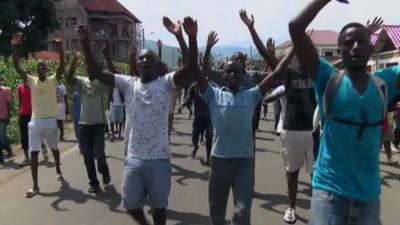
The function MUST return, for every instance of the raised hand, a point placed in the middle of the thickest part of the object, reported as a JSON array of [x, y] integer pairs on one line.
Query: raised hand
[[16, 39], [83, 33], [175, 29], [246, 20], [271, 45], [212, 39], [190, 26], [376, 24]]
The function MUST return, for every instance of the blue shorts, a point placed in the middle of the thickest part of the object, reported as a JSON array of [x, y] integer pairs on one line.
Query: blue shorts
[[146, 180], [327, 208]]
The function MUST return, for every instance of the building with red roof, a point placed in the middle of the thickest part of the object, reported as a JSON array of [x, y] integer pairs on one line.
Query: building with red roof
[[325, 42], [386, 48], [107, 20]]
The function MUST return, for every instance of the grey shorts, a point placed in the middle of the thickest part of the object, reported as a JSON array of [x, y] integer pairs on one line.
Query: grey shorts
[[117, 113], [146, 180]]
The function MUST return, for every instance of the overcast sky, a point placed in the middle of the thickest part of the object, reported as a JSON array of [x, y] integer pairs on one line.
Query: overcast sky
[[271, 16]]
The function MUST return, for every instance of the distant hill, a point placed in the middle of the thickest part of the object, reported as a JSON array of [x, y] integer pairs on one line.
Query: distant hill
[[170, 54]]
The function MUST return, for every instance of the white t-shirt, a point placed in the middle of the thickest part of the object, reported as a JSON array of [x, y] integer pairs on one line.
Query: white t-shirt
[[61, 93], [278, 91], [147, 109], [117, 101]]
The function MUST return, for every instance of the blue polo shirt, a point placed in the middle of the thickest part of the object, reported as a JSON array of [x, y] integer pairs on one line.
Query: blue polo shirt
[[348, 166], [232, 116]]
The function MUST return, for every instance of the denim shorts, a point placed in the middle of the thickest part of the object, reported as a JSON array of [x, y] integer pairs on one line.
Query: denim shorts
[[329, 209], [146, 180]]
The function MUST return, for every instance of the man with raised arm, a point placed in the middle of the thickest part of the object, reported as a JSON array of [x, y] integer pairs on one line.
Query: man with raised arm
[[232, 157], [147, 173], [44, 109], [91, 124], [295, 127], [352, 103]]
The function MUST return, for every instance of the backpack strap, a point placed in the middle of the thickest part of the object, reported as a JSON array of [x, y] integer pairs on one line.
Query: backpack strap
[[382, 90], [330, 91]]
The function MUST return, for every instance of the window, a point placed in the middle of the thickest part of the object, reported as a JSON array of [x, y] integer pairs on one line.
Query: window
[[328, 54], [70, 21], [391, 64]]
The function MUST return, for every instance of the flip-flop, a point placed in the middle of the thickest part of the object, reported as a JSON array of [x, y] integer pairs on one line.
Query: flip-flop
[[31, 193]]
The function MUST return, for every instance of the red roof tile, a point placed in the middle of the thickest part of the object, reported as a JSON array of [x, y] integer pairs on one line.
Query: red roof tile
[[107, 6], [394, 34], [47, 55], [374, 38], [324, 37]]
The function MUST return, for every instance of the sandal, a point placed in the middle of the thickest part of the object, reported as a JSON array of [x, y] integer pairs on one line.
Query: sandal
[[31, 193]]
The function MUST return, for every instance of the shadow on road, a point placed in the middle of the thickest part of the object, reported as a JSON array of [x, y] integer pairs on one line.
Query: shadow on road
[[186, 174], [389, 176], [110, 197], [273, 200], [116, 158], [265, 139]]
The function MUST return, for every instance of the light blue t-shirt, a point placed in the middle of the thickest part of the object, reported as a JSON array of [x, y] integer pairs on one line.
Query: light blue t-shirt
[[348, 166], [232, 116]]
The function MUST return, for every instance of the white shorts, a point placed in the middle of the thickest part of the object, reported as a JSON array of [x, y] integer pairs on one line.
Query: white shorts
[[297, 150], [40, 129]]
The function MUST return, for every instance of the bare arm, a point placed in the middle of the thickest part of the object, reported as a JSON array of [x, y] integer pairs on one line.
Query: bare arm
[[94, 68], [133, 69], [304, 47], [267, 55], [199, 77], [279, 71], [107, 55], [71, 71], [273, 97], [15, 41], [211, 41], [176, 30], [61, 66]]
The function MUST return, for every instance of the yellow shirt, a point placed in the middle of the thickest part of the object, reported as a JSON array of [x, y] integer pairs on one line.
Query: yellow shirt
[[44, 97]]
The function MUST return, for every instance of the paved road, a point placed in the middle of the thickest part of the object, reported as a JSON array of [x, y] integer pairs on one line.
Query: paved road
[[69, 203]]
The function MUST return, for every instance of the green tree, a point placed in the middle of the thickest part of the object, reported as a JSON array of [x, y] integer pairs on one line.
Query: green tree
[[35, 19]]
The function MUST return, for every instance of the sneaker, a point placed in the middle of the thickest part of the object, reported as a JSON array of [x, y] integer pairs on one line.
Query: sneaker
[[290, 216], [94, 189]]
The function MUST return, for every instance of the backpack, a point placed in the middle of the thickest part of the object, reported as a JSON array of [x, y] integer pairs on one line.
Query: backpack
[[329, 94]]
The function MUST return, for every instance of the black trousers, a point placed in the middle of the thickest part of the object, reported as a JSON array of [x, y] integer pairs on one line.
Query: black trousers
[[91, 143], [202, 124], [23, 129]]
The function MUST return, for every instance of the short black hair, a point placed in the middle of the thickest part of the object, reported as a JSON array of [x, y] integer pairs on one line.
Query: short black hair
[[348, 26]]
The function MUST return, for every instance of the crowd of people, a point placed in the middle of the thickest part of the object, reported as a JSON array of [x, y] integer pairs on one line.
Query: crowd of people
[[332, 119]]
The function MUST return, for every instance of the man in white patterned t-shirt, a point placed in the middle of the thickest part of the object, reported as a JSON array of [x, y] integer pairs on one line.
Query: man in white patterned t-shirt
[[147, 172]]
